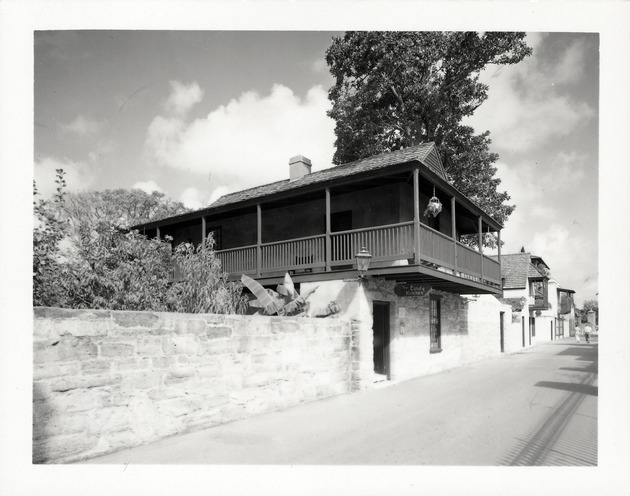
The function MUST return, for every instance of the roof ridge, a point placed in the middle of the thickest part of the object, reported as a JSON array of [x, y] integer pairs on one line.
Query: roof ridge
[[349, 165]]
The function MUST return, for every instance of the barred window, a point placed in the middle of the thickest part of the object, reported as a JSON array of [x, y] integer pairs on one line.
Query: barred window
[[435, 325]]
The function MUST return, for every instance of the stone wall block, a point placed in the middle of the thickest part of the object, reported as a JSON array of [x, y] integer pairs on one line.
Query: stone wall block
[[162, 362], [179, 374], [179, 407], [214, 331], [135, 319], [55, 369], [116, 350], [195, 326], [68, 348], [186, 345], [284, 326], [220, 347], [132, 363], [212, 369], [149, 345], [108, 420], [141, 380], [79, 400], [84, 382], [96, 366], [256, 380]]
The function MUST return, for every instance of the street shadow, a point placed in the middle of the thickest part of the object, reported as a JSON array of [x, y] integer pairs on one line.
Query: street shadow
[[568, 386], [581, 352], [592, 369], [541, 446]]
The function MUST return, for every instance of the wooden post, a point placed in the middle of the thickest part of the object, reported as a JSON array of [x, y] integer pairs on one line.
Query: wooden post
[[481, 246], [259, 240], [328, 228], [454, 229], [203, 233], [157, 233], [499, 246], [416, 215]]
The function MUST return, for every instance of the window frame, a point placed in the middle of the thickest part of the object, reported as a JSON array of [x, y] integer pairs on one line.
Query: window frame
[[435, 326]]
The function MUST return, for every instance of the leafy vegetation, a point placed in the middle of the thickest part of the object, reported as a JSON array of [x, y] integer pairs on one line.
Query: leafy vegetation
[[104, 266], [397, 89], [286, 301]]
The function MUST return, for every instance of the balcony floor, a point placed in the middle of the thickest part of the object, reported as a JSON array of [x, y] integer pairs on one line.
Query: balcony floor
[[438, 279]]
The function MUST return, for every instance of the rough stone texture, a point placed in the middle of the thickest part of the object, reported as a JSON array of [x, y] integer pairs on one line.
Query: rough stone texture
[[106, 380]]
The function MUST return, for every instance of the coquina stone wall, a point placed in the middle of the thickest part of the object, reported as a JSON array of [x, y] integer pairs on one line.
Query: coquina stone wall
[[105, 380]]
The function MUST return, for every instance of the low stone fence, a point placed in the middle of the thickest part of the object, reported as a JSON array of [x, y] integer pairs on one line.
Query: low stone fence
[[105, 380]]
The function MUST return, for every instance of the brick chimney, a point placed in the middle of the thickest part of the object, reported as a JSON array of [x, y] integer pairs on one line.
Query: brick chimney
[[299, 167]]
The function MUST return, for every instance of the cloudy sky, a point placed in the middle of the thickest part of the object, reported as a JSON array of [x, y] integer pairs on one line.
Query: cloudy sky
[[199, 114]]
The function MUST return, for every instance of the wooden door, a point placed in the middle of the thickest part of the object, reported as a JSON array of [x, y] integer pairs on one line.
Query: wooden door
[[380, 328]]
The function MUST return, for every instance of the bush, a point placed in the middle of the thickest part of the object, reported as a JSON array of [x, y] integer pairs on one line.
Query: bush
[[104, 267]]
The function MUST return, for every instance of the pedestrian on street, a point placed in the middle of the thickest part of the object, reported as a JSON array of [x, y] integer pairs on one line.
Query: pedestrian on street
[[577, 334], [587, 333]]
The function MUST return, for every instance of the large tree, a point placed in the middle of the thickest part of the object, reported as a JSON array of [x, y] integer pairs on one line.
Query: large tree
[[397, 89]]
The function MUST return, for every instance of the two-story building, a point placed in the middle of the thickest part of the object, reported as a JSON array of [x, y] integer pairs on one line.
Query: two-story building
[[546, 309], [421, 306]]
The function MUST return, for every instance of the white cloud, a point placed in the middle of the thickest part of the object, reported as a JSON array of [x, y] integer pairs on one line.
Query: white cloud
[[192, 198], [81, 127], [218, 193], [183, 97], [248, 141], [79, 175], [568, 255], [525, 109], [147, 186]]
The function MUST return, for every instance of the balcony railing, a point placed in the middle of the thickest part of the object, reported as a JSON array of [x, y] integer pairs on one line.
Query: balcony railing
[[388, 243]]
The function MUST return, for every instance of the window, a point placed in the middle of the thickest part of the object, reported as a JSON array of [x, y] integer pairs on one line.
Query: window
[[435, 325], [215, 232]]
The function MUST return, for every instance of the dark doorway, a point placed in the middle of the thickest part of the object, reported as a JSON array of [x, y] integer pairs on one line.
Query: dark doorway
[[501, 317], [380, 328]]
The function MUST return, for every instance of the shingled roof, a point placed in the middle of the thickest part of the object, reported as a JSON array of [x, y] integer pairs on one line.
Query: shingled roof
[[425, 153], [516, 268]]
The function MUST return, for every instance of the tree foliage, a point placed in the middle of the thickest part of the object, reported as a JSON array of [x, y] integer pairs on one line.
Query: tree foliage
[[104, 266], [397, 89], [588, 306], [121, 208]]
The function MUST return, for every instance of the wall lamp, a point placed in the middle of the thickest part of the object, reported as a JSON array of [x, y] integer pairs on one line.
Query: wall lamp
[[363, 262]]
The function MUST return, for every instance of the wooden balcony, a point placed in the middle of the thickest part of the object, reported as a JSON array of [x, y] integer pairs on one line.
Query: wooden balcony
[[437, 257]]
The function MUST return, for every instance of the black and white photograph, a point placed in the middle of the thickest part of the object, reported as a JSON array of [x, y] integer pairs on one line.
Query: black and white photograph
[[292, 257]]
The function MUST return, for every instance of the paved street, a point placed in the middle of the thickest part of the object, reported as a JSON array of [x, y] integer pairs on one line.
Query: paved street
[[537, 407]]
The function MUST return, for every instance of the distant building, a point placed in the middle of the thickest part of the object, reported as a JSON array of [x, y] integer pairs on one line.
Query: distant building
[[547, 310]]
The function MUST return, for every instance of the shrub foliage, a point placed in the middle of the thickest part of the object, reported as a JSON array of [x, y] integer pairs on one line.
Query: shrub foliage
[[85, 262]]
